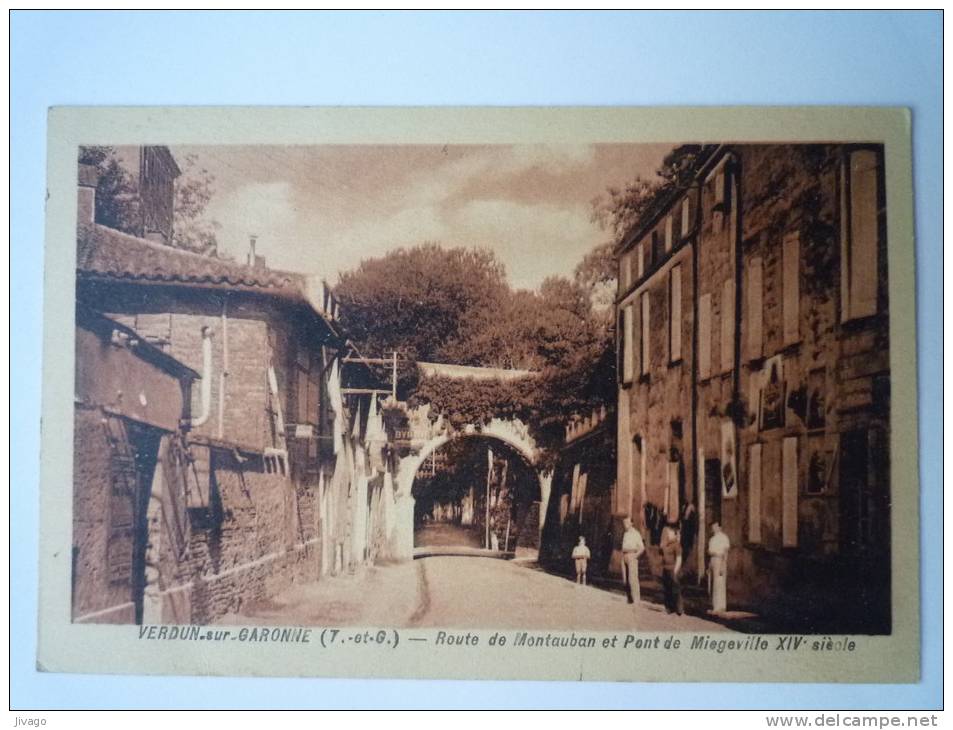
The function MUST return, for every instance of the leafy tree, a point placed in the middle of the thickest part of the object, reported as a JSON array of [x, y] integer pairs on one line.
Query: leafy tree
[[193, 191], [115, 192], [117, 205], [423, 301], [619, 209]]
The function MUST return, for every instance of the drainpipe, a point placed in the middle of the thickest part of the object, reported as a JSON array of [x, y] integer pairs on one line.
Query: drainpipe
[[223, 376], [206, 385], [698, 485]]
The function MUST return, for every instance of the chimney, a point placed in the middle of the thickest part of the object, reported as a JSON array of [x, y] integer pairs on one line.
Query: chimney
[[254, 260], [86, 194]]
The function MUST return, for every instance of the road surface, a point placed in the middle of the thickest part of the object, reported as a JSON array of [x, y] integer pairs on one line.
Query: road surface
[[442, 534], [461, 592]]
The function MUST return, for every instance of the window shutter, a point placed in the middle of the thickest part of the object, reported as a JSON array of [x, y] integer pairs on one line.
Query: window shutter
[[863, 233], [574, 497], [643, 469], [686, 216], [727, 325], [675, 321], [640, 259], [704, 336], [755, 281], [668, 232], [754, 493], [628, 352], [791, 254], [789, 492], [646, 354]]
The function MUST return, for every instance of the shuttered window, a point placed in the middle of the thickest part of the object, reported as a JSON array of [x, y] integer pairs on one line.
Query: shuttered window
[[859, 213], [754, 493], [686, 216], [640, 259], [727, 325], [646, 334], [789, 492], [791, 265], [669, 232], [675, 320], [628, 346], [625, 271], [704, 336], [754, 275]]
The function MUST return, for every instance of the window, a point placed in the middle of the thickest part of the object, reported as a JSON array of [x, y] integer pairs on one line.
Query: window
[[860, 209], [727, 325], [668, 232], [675, 321], [645, 334], [789, 492], [704, 336], [754, 275], [628, 346], [625, 270], [791, 266], [864, 502], [640, 259], [686, 216], [754, 493], [656, 255]]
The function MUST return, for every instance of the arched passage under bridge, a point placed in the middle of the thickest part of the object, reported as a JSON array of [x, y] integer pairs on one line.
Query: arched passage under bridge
[[475, 494], [426, 436]]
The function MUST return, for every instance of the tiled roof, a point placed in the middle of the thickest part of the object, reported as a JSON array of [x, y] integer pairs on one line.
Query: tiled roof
[[106, 252]]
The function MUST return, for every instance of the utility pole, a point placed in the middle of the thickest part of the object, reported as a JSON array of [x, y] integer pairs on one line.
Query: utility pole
[[393, 379]]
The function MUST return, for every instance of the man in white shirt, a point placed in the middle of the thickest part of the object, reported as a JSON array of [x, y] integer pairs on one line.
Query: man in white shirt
[[718, 547], [632, 548]]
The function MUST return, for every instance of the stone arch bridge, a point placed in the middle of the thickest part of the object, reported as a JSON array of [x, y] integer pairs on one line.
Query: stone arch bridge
[[423, 436]]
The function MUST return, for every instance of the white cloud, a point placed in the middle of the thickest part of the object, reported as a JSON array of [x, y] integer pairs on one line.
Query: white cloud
[[534, 241], [266, 210]]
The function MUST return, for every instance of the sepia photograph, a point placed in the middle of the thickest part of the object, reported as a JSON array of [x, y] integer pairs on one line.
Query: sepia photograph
[[562, 391]]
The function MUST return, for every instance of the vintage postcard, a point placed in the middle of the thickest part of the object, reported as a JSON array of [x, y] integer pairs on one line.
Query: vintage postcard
[[589, 394]]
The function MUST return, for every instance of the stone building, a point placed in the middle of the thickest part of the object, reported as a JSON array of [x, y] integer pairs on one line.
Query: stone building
[[271, 467], [754, 378], [582, 496]]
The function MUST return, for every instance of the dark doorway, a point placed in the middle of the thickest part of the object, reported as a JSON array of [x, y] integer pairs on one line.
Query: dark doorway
[[713, 491], [135, 449]]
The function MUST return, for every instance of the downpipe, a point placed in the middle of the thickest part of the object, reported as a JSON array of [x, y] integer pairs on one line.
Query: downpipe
[[206, 385]]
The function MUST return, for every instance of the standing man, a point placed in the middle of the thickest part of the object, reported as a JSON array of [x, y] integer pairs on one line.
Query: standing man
[[671, 568], [581, 555], [718, 547], [632, 547]]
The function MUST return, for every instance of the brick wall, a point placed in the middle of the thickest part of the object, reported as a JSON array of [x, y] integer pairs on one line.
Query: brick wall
[[93, 591]]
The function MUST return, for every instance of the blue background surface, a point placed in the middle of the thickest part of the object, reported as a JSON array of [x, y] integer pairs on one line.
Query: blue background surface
[[618, 58]]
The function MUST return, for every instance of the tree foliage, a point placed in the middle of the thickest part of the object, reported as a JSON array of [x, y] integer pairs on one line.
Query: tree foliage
[[191, 229], [117, 200], [619, 209], [453, 305]]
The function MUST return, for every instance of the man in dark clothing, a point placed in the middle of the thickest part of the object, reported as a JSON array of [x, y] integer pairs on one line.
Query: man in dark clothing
[[671, 568]]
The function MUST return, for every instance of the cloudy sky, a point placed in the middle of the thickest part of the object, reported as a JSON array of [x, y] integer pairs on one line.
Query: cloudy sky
[[321, 209]]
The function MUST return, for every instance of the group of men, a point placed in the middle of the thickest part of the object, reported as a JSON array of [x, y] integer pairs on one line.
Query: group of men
[[670, 546]]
